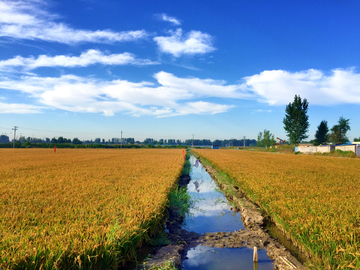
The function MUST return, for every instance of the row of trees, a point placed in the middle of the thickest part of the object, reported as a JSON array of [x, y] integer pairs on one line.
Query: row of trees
[[337, 135], [265, 139], [296, 125], [201, 142], [61, 140]]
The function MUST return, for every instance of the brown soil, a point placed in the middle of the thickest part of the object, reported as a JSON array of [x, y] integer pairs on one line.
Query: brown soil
[[254, 235]]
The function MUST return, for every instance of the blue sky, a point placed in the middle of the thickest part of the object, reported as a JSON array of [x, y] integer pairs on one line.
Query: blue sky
[[171, 69]]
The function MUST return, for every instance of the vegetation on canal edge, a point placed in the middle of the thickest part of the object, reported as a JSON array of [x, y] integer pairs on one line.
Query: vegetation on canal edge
[[169, 265], [314, 200], [187, 165], [82, 208]]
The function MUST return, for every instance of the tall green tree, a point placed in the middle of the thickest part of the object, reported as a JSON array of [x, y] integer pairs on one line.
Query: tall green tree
[[265, 139], [338, 132], [357, 139], [321, 135], [76, 141], [296, 120]]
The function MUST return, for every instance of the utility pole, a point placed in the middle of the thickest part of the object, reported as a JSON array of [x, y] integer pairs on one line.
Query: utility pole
[[244, 140], [121, 140], [14, 129]]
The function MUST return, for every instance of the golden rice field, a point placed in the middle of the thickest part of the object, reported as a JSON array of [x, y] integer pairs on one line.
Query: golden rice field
[[316, 200], [81, 208]]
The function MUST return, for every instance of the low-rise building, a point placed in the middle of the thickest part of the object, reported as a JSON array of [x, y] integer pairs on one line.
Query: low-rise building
[[4, 139]]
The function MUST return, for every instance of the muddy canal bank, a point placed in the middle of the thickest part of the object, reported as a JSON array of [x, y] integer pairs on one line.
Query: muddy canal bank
[[216, 234]]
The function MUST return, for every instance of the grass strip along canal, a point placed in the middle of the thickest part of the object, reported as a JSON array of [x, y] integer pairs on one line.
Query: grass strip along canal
[[218, 234]]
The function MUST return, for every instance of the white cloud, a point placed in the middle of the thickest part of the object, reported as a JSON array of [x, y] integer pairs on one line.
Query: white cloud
[[28, 20], [278, 87], [201, 107], [203, 87], [19, 108], [87, 58], [174, 96], [195, 42], [170, 19], [261, 111], [182, 96]]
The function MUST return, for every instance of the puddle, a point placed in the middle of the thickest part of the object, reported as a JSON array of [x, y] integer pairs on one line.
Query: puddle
[[211, 211], [208, 258]]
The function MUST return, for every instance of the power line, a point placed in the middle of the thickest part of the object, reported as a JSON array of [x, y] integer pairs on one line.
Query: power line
[[14, 129]]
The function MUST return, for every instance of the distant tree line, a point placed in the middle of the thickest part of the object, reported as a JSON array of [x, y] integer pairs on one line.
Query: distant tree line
[[203, 142], [62, 142]]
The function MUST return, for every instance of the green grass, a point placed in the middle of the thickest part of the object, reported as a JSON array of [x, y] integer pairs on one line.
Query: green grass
[[338, 153], [180, 200], [187, 165]]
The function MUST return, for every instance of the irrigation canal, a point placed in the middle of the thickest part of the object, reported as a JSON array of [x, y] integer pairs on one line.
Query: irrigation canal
[[211, 213]]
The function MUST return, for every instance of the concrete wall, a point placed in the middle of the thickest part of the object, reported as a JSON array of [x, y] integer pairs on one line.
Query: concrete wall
[[351, 147], [325, 148], [314, 149], [328, 148]]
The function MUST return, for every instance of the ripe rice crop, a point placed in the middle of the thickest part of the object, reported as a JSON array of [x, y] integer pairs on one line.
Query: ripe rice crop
[[81, 208], [314, 200]]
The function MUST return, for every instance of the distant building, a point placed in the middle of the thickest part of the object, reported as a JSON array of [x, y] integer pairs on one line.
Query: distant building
[[4, 139], [214, 146]]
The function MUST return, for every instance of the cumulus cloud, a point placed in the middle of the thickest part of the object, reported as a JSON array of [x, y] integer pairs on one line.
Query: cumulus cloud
[[278, 87], [87, 58], [262, 111], [19, 108], [173, 96], [201, 107], [167, 18], [28, 20], [177, 44], [204, 87]]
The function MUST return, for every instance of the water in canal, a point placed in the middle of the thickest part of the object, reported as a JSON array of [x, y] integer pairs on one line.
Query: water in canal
[[212, 213]]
